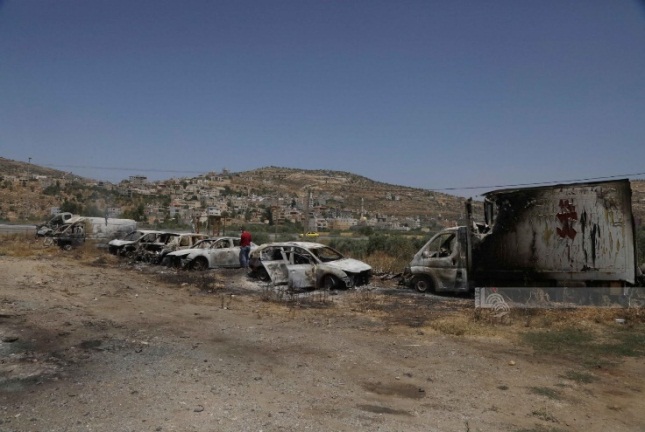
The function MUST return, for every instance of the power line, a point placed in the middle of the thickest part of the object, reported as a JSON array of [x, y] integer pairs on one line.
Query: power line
[[540, 183]]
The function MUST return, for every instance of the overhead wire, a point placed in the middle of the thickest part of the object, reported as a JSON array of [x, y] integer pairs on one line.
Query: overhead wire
[[542, 183]]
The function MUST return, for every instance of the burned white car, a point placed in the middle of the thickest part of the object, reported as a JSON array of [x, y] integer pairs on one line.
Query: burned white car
[[219, 252], [307, 265], [156, 251], [178, 242], [117, 246], [129, 248]]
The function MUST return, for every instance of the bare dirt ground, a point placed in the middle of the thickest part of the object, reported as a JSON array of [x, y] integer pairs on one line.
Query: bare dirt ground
[[101, 345]]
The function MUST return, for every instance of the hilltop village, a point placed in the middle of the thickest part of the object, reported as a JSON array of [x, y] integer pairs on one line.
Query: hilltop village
[[333, 201]]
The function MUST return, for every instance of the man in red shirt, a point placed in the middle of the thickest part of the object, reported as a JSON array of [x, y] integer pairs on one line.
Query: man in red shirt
[[245, 247]]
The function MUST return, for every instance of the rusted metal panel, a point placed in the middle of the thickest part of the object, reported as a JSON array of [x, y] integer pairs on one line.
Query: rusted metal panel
[[575, 235], [579, 232]]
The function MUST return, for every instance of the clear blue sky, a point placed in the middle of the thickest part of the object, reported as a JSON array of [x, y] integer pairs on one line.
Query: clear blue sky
[[433, 94]]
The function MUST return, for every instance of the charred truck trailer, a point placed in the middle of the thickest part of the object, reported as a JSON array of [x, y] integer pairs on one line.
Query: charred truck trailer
[[573, 235]]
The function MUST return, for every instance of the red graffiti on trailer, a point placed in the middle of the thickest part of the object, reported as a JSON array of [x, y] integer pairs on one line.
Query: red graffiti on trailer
[[567, 217]]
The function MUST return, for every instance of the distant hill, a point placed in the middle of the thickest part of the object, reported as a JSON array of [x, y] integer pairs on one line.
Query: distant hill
[[346, 192], [350, 191], [17, 168], [328, 188]]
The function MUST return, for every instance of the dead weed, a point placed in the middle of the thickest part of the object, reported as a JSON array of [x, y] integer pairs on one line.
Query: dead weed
[[296, 298], [19, 246], [382, 262]]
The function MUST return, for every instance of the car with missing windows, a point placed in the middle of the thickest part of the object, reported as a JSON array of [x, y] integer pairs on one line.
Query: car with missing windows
[[117, 246], [149, 247], [181, 241], [307, 265], [128, 246], [217, 252]]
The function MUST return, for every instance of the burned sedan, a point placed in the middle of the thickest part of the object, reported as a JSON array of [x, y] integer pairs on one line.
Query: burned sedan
[[118, 246], [307, 265], [219, 252], [129, 248], [179, 242], [150, 251]]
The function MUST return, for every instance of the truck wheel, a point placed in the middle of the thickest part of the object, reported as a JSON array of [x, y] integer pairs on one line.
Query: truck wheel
[[422, 283], [200, 264]]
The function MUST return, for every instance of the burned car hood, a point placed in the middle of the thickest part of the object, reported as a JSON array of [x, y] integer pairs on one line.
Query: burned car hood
[[350, 265], [184, 252], [117, 242]]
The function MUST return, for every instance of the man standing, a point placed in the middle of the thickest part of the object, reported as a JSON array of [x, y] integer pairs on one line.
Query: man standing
[[245, 247]]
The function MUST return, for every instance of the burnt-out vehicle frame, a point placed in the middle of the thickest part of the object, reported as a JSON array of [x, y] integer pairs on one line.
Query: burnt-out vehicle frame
[[216, 252], [135, 248], [68, 236], [47, 229], [307, 265], [120, 246], [177, 243], [578, 235], [154, 252]]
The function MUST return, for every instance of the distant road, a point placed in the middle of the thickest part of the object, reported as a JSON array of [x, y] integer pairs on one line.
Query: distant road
[[6, 229]]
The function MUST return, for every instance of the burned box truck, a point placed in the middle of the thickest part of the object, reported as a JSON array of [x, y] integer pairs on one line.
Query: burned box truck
[[571, 235]]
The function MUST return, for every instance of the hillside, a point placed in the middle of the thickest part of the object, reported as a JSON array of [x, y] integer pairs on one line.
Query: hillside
[[10, 167], [341, 191], [350, 192]]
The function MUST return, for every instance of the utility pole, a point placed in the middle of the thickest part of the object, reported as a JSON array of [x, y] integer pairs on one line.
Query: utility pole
[[305, 228], [28, 179]]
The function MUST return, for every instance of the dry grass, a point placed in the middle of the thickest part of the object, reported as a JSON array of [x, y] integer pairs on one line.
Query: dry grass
[[206, 281], [544, 414], [546, 392], [579, 377], [587, 316], [590, 334], [21, 246], [296, 298], [365, 301], [541, 428], [385, 263], [457, 326]]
